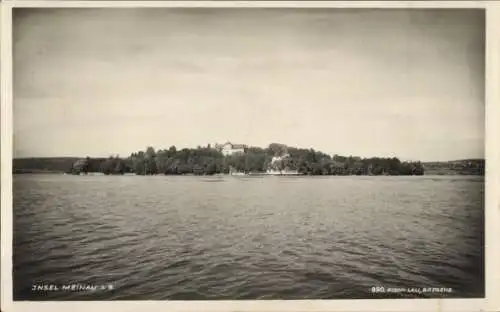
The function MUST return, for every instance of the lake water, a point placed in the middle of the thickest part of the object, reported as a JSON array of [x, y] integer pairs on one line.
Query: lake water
[[183, 238]]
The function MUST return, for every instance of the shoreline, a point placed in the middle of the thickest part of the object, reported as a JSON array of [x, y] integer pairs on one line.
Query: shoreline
[[209, 162]]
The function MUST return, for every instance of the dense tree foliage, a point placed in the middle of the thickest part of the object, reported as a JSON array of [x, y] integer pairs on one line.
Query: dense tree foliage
[[208, 161]]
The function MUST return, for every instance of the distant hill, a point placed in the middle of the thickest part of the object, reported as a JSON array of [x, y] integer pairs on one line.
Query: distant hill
[[455, 167], [52, 164], [43, 165]]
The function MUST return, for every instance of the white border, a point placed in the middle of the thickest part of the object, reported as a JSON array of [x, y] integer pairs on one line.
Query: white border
[[492, 155]]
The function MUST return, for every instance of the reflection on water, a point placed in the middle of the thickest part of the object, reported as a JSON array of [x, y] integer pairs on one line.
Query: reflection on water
[[184, 238]]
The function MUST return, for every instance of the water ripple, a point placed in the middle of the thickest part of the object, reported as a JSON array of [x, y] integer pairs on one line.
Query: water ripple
[[181, 238]]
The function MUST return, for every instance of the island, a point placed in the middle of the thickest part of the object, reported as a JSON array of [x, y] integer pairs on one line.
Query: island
[[229, 158]]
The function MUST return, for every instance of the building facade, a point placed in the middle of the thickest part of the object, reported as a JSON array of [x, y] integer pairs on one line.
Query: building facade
[[229, 148]]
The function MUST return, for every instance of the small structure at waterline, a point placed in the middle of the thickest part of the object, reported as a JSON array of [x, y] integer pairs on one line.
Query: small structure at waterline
[[80, 166]]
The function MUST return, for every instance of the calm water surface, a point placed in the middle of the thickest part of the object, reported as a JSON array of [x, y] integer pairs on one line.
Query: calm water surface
[[186, 238]]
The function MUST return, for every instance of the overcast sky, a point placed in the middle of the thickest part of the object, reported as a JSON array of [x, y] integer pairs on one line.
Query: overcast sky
[[404, 83]]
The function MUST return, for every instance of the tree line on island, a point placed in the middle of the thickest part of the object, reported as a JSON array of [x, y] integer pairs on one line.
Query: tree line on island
[[209, 160]]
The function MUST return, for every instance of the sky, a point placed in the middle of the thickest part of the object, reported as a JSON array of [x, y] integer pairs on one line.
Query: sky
[[364, 82]]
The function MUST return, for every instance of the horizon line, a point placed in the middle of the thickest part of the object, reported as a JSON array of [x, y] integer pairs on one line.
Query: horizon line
[[226, 141]]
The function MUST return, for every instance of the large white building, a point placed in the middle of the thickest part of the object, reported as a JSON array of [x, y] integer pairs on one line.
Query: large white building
[[229, 148]]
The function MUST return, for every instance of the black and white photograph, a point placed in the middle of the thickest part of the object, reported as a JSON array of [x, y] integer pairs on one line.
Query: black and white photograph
[[248, 153]]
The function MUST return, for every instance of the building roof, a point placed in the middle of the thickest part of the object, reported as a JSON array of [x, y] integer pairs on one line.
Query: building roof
[[238, 146], [233, 146]]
